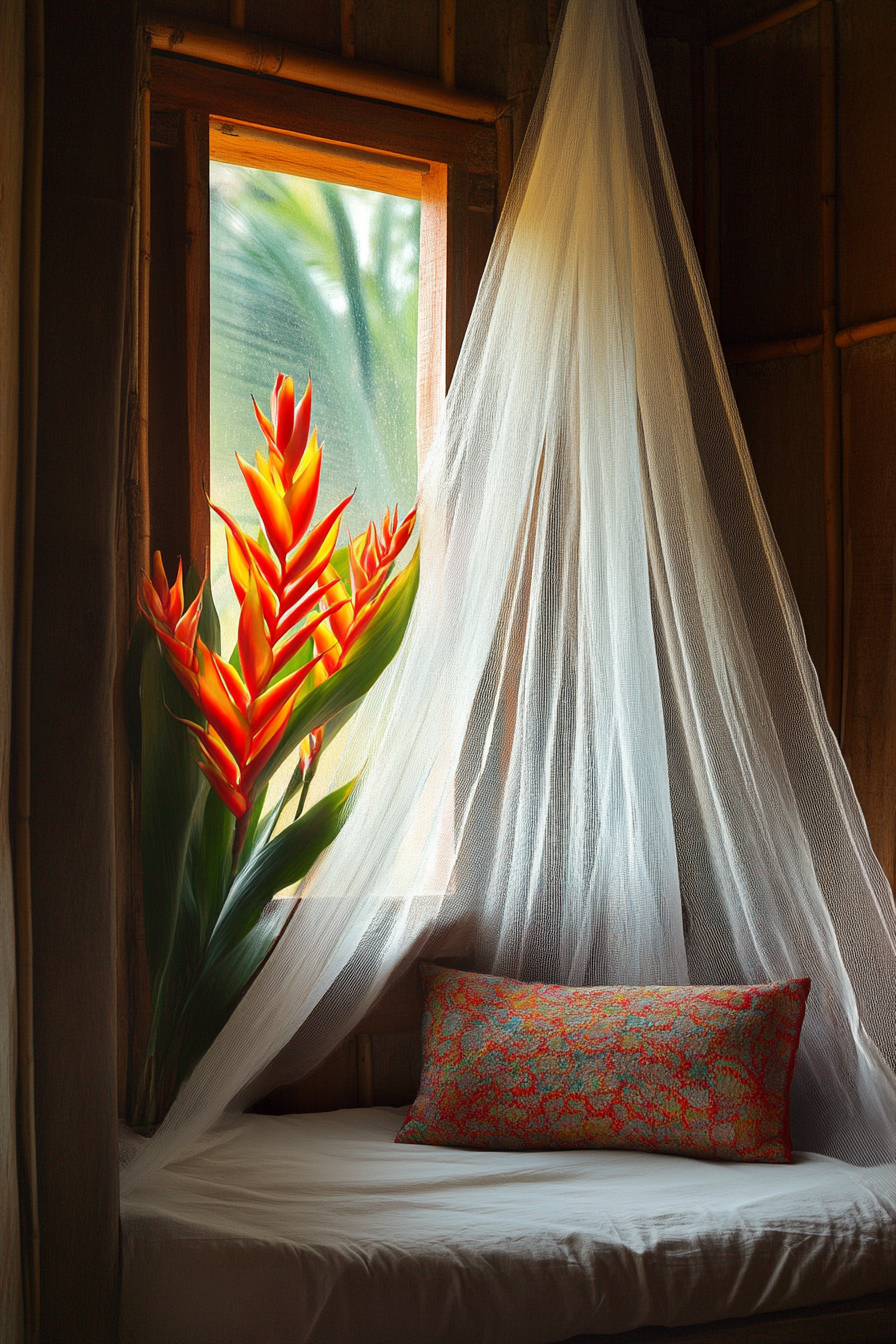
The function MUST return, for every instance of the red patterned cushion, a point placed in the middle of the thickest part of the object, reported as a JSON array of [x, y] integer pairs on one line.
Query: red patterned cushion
[[703, 1071]]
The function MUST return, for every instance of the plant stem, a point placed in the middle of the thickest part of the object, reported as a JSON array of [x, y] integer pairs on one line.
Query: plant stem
[[304, 794], [239, 838]]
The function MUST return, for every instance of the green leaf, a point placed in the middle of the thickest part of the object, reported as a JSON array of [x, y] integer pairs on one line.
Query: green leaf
[[211, 862], [209, 624], [223, 986], [280, 863], [334, 726], [174, 842], [180, 971], [252, 828], [365, 662], [244, 934], [351, 278], [295, 783], [340, 562], [172, 792], [267, 826]]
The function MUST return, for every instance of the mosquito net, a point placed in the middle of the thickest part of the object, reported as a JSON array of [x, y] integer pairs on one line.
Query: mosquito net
[[601, 755]]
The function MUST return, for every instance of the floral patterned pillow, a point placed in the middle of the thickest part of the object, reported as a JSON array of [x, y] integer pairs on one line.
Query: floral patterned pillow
[[703, 1071]]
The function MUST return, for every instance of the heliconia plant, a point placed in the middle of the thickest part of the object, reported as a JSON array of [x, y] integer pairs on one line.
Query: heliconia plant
[[317, 626]]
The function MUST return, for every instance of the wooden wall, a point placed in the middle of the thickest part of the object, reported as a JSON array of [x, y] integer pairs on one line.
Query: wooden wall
[[867, 222], [751, 177], [770, 267], [501, 44], [85, 237]]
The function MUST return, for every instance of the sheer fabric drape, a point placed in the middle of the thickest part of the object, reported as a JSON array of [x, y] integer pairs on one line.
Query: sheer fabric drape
[[601, 755]]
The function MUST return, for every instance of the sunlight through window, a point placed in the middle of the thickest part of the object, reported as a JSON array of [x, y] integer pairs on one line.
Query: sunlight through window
[[313, 278]]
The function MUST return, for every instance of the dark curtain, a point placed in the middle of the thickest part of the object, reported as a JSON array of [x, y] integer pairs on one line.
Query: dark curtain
[[87, 201]]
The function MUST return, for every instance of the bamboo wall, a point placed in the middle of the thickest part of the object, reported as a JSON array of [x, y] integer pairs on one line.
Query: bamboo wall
[[500, 46], [746, 124], [867, 127]]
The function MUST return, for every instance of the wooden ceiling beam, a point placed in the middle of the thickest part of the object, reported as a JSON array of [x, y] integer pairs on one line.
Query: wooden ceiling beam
[[266, 56], [761, 25]]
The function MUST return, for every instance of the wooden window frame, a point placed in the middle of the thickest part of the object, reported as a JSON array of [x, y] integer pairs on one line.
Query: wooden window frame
[[340, 136], [424, 180]]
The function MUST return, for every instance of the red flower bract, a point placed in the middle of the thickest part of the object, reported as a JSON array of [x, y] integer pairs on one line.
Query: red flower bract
[[289, 592]]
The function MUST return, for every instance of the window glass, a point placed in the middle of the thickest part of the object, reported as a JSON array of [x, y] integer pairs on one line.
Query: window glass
[[310, 277]]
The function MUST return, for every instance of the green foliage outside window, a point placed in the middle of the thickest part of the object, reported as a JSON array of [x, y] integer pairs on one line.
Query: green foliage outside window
[[318, 279]]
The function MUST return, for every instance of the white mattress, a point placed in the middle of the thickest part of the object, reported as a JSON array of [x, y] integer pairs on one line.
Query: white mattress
[[318, 1228]]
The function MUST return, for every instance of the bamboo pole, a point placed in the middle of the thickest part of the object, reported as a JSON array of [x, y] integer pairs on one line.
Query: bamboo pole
[[761, 25], [865, 331], [347, 29], [807, 345], [447, 45], [758, 351], [262, 55], [24, 619], [833, 453]]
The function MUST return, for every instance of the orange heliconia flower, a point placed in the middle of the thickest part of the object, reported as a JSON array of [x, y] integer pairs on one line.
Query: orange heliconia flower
[[310, 746], [288, 591], [370, 560], [247, 709], [163, 607]]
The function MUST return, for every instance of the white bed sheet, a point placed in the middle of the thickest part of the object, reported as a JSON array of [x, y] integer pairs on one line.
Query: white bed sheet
[[317, 1229]]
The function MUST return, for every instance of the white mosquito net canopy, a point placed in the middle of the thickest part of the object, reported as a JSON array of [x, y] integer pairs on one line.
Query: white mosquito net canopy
[[601, 755]]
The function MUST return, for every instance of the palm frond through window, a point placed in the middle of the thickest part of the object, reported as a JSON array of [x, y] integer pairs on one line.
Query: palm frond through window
[[311, 277]]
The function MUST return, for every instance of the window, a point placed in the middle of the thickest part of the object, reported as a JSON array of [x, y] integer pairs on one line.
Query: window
[[314, 267], [204, 118]]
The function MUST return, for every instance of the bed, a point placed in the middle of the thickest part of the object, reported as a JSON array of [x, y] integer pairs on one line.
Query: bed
[[318, 1229]]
